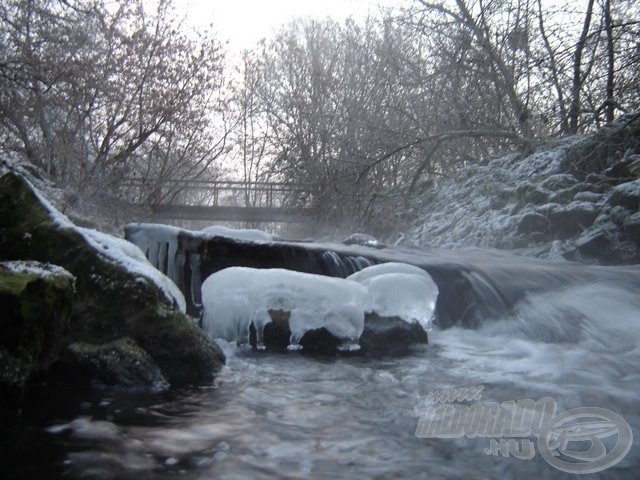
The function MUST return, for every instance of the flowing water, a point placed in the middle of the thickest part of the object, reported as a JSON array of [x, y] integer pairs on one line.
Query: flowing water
[[295, 416]]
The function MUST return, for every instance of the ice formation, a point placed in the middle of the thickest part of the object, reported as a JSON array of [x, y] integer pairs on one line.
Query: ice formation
[[250, 234], [160, 245], [400, 289], [236, 297], [132, 258]]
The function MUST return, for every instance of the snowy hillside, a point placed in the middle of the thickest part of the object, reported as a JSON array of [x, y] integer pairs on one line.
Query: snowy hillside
[[576, 198]]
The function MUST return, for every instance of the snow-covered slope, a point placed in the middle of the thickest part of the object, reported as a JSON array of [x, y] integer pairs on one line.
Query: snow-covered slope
[[575, 198]]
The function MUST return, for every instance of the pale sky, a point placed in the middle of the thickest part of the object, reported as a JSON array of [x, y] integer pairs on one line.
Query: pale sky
[[244, 22]]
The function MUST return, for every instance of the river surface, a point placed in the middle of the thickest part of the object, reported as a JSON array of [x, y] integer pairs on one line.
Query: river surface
[[295, 416]]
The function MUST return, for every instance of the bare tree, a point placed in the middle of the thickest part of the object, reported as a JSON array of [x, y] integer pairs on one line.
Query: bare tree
[[92, 94]]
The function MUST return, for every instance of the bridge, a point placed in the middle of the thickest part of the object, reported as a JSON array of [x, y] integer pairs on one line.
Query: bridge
[[220, 200]]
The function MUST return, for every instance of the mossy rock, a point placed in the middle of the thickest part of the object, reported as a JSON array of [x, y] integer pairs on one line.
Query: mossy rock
[[36, 301], [111, 302], [121, 363]]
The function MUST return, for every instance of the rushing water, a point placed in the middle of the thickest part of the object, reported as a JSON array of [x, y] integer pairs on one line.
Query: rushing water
[[295, 416]]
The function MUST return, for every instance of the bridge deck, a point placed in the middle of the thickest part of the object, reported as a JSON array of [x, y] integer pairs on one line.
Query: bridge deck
[[193, 199]]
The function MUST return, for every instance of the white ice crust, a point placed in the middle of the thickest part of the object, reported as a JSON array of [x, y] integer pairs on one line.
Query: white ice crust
[[130, 257], [250, 234], [235, 297]]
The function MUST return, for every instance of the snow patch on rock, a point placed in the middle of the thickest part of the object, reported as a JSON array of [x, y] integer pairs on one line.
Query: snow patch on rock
[[130, 257]]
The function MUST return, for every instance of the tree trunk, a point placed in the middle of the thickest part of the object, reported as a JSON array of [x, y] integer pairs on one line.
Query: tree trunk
[[608, 26], [578, 80]]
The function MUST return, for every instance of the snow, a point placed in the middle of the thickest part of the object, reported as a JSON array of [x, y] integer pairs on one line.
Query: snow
[[250, 234], [400, 289], [160, 244], [129, 256], [384, 268], [235, 297], [363, 239], [631, 189], [36, 268], [115, 249], [478, 207]]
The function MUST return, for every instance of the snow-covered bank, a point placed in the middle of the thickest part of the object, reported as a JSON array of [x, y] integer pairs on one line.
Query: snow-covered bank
[[108, 316], [575, 198]]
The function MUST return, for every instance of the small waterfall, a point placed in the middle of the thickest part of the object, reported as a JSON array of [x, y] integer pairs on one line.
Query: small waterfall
[[475, 286], [336, 265]]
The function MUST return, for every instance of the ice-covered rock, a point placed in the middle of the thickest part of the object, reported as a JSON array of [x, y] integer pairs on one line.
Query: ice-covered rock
[[236, 297], [627, 195], [400, 290], [568, 220], [131, 258], [382, 302], [364, 240], [189, 257], [250, 234]]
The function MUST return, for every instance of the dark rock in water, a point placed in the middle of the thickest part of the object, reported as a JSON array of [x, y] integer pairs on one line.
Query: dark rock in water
[[36, 302], [595, 243], [320, 341], [381, 336], [110, 301], [276, 335], [390, 335], [120, 363]]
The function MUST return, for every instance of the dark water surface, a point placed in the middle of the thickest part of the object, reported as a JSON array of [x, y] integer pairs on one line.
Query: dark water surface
[[294, 416]]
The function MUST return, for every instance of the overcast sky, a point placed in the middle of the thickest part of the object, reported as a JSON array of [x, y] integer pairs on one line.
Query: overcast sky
[[245, 22]]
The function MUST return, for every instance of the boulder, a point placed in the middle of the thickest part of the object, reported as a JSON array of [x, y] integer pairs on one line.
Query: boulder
[[390, 335], [112, 300], [596, 243], [121, 363], [36, 304], [626, 195], [559, 181], [631, 228], [531, 193], [569, 220], [634, 165], [587, 196], [533, 222]]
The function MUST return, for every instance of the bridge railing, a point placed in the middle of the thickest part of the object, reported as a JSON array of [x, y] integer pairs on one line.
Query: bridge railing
[[149, 191]]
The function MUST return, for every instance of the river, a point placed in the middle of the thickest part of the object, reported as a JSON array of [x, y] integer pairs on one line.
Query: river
[[295, 416]]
